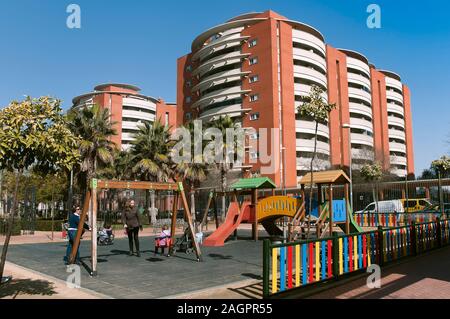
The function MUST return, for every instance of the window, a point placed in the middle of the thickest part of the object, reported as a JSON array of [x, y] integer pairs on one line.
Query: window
[[189, 68], [254, 78], [252, 43], [254, 116], [167, 118], [254, 97], [423, 203], [188, 84], [253, 60], [254, 136], [188, 99], [254, 155]]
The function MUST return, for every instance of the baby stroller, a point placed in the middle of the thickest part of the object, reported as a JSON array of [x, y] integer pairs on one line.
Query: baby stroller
[[105, 237], [184, 243]]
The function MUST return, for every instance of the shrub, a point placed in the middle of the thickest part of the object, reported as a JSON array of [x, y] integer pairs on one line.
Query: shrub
[[46, 225], [16, 228]]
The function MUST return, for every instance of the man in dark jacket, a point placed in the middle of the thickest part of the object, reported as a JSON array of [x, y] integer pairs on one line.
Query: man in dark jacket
[[132, 224], [74, 220]]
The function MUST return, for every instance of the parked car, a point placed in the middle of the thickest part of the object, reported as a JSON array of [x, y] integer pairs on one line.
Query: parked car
[[435, 208], [384, 206], [397, 205], [415, 204]]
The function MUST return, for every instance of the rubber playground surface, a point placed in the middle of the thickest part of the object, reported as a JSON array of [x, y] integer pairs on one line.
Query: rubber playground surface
[[150, 276]]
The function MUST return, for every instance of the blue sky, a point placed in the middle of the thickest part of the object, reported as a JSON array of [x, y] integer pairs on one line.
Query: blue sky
[[138, 42]]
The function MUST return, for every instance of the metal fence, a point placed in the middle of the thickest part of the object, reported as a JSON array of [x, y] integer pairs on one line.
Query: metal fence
[[299, 264]]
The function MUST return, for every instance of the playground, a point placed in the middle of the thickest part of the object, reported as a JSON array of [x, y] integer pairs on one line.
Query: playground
[[266, 242]]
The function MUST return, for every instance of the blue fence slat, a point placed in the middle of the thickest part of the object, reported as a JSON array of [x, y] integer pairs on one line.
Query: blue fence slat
[[304, 265], [360, 252], [282, 268], [324, 260], [345, 254]]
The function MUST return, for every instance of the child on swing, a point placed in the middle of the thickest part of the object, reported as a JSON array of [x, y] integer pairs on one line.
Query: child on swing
[[163, 240]]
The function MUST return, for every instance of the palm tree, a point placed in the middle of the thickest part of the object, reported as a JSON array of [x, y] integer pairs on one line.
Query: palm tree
[[318, 110], [151, 148], [230, 147], [193, 171], [94, 126], [120, 169]]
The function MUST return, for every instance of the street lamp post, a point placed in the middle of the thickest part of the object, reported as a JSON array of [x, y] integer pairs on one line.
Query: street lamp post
[[348, 126]]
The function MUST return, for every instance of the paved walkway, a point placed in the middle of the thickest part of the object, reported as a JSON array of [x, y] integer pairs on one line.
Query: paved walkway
[[122, 276], [28, 284], [424, 277]]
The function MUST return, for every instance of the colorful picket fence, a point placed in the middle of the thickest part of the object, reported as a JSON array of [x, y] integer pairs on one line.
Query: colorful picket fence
[[299, 264], [393, 219]]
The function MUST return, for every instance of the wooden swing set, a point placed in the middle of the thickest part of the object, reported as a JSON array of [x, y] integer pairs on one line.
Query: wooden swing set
[[90, 205]]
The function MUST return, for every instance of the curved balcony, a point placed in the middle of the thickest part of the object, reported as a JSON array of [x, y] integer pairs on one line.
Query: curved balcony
[[310, 74], [361, 139], [218, 76], [304, 163], [397, 134], [363, 154], [360, 94], [305, 89], [391, 107], [399, 172], [235, 110], [397, 147], [138, 115], [303, 126], [308, 146], [361, 124], [358, 65], [394, 95], [145, 104], [311, 57], [224, 29], [358, 79], [221, 43], [394, 83], [218, 80], [230, 58], [301, 36], [360, 109], [393, 120], [220, 95], [398, 160]]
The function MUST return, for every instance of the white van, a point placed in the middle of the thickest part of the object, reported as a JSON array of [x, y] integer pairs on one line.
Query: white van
[[384, 206]]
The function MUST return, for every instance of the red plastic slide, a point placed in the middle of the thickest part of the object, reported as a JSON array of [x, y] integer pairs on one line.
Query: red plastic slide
[[233, 220]]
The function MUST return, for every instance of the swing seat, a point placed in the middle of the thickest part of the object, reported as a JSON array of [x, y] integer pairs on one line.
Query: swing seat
[[167, 240]]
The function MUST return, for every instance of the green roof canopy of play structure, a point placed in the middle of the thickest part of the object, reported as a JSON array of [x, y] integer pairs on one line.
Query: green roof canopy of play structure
[[326, 177], [254, 183]]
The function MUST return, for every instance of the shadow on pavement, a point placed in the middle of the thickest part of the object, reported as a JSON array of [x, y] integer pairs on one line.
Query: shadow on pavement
[[26, 287], [253, 291]]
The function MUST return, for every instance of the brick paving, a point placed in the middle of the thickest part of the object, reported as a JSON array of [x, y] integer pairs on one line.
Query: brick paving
[[424, 277]]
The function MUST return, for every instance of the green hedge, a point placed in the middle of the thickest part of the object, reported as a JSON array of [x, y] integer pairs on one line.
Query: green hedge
[[4, 226], [46, 225]]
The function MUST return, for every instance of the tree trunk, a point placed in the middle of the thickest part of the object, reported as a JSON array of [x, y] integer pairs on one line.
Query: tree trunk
[[376, 196], [311, 181], [10, 225], [224, 187], [193, 213], [153, 209], [147, 205]]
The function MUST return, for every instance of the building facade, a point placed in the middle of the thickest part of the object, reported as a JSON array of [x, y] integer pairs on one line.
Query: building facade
[[257, 67], [128, 109]]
